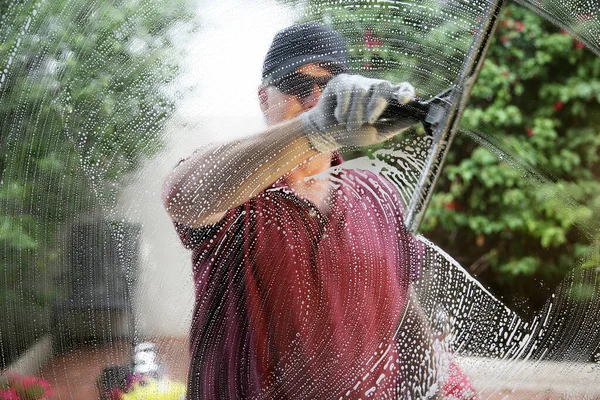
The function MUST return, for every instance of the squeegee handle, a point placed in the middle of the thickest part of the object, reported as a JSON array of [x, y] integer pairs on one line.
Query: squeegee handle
[[425, 111]]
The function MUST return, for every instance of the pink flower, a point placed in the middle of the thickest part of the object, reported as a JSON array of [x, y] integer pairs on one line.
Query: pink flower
[[9, 394], [520, 26], [458, 385], [114, 394], [29, 381], [24, 387]]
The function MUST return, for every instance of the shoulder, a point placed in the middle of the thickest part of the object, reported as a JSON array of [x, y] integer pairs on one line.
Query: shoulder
[[265, 203], [366, 182], [195, 237]]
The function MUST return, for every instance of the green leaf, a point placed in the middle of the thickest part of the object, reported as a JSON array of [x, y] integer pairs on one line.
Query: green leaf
[[13, 234]]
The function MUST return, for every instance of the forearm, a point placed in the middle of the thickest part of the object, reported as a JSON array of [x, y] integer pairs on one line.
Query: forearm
[[210, 182]]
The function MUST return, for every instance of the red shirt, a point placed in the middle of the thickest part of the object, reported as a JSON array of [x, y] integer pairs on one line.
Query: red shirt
[[293, 303]]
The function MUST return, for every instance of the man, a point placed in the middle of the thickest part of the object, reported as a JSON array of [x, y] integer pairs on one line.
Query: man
[[302, 269]]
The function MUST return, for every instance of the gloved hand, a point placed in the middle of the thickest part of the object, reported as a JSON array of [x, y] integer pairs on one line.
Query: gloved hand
[[348, 110]]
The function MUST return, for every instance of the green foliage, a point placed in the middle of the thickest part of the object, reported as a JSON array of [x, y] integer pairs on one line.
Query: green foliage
[[82, 102], [515, 204], [538, 100], [424, 42]]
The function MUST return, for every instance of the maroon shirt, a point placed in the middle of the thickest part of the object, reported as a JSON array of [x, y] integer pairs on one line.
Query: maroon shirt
[[293, 303]]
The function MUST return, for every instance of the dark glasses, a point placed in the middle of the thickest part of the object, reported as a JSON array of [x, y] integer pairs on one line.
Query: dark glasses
[[302, 85]]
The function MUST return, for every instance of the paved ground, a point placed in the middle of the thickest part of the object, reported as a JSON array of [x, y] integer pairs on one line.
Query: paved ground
[[544, 380], [509, 394], [73, 375]]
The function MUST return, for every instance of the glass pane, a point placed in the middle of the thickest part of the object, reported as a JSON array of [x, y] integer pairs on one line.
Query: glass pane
[[273, 261]]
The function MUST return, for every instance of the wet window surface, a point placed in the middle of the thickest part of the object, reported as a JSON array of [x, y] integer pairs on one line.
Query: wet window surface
[[181, 219]]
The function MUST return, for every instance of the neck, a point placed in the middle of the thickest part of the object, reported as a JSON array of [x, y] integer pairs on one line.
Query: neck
[[314, 190], [311, 167]]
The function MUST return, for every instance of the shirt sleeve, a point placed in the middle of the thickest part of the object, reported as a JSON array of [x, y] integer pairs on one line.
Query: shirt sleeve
[[192, 238]]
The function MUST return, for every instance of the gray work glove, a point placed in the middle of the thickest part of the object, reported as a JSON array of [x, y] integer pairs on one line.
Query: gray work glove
[[348, 111]]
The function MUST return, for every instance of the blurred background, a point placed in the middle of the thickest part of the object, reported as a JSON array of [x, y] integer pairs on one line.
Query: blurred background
[[99, 100]]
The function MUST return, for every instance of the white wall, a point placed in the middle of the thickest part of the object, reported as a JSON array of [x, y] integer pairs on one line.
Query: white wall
[[222, 68]]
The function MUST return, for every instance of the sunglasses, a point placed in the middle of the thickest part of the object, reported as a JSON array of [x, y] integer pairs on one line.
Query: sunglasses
[[302, 85]]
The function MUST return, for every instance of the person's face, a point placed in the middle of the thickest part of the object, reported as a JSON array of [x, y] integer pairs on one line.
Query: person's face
[[278, 106]]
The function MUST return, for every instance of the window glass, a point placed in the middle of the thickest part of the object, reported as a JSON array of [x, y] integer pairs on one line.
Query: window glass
[[179, 216]]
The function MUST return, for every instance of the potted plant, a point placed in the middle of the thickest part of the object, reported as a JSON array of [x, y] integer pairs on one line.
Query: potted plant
[[20, 387]]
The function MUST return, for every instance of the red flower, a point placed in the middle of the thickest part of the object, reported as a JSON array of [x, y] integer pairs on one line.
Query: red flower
[[564, 32], [579, 45], [453, 205], [503, 39], [505, 73], [371, 40], [520, 26], [558, 105], [530, 132]]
